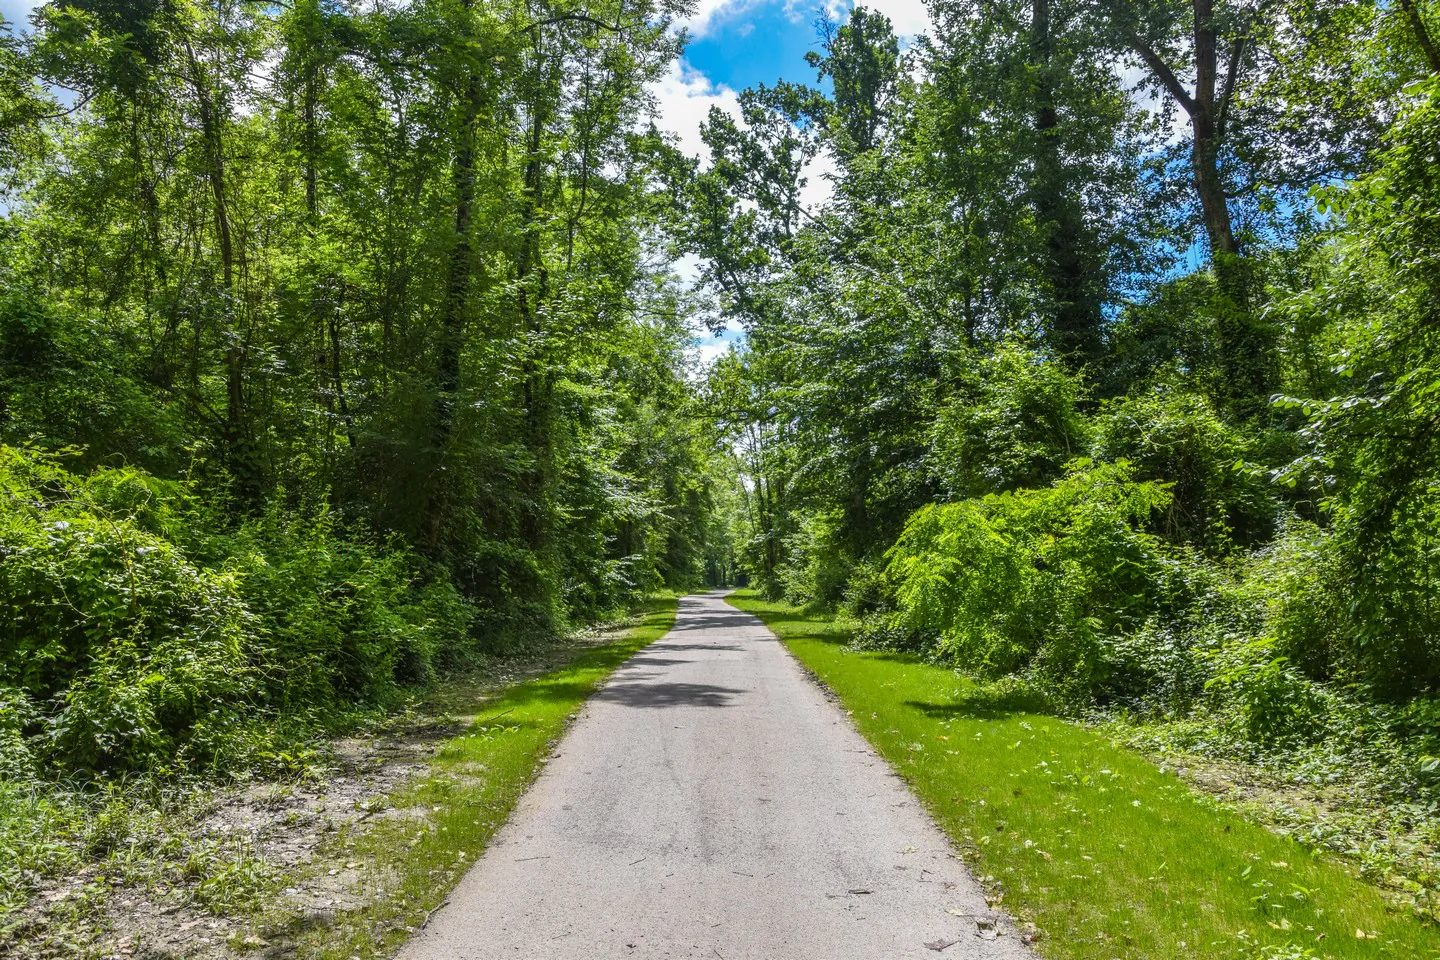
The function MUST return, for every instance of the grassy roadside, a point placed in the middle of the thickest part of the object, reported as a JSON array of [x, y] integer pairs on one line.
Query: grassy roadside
[[1108, 854], [409, 863]]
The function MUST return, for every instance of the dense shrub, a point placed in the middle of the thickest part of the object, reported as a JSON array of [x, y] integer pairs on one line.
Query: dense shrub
[[818, 567], [1016, 425], [1372, 449], [339, 621], [123, 649], [1218, 497], [1037, 579]]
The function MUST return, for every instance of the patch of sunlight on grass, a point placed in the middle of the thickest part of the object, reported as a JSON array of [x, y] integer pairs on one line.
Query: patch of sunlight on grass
[[1111, 856]]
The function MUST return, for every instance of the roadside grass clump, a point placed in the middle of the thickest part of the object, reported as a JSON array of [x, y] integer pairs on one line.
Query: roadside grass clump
[[36, 830], [1108, 853]]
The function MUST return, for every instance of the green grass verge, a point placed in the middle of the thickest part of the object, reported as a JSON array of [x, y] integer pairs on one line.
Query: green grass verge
[[1108, 854], [472, 784]]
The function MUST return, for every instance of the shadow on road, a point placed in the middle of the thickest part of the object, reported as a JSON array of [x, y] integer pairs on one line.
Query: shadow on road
[[692, 622], [661, 695], [670, 647]]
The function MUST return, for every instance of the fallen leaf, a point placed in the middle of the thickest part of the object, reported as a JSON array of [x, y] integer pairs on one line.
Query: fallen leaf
[[938, 945]]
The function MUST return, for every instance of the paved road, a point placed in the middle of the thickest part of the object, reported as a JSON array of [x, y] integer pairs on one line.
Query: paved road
[[711, 802]]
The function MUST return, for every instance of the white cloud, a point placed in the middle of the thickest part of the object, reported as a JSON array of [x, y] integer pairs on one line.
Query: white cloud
[[710, 12], [802, 11], [708, 347], [683, 98], [1132, 75], [687, 268], [910, 18], [818, 189]]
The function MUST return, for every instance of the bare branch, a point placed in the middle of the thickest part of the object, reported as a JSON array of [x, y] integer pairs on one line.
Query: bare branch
[[1232, 77], [1153, 60]]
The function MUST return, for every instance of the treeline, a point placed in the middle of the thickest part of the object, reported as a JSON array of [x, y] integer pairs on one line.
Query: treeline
[[1109, 369], [336, 347]]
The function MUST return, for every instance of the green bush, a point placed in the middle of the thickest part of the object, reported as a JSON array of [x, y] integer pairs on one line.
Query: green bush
[[1275, 703], [17, 712], [1036, 579], [1296, 584], [1218, 497], [124, 650], [1372, 454], [134, 643], [339, 621], [818, 566], [868, 590], [1015, 426]]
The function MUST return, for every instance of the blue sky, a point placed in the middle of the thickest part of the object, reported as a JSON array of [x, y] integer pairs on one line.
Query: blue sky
[[756, 45], [15, 11], [739, 43]]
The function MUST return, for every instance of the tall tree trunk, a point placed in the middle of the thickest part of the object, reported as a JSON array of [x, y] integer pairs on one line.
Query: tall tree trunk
[[1249, 368], [1205, 152], [1075, 329], [533, 283], [311, 95], [1422, 34], [453, 310], [241, 455]]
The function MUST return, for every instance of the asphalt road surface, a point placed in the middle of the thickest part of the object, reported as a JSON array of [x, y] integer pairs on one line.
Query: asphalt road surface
[[712, 802]]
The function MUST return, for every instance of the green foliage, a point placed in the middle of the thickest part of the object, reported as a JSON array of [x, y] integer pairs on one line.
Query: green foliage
[[17, 714], [1219, 497], [344, 622], [312, 382], [1276, 704], [1016, 425], [127, 650], [139, 646], [1036, 579], [1372, 453], [818, 568]]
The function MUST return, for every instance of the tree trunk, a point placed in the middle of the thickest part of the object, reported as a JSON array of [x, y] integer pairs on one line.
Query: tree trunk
[[453, 310], [1422, 35], [1075, 328], [312, 200], [241, 456], [1248, 367], [533, 280], [1205, 151]]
